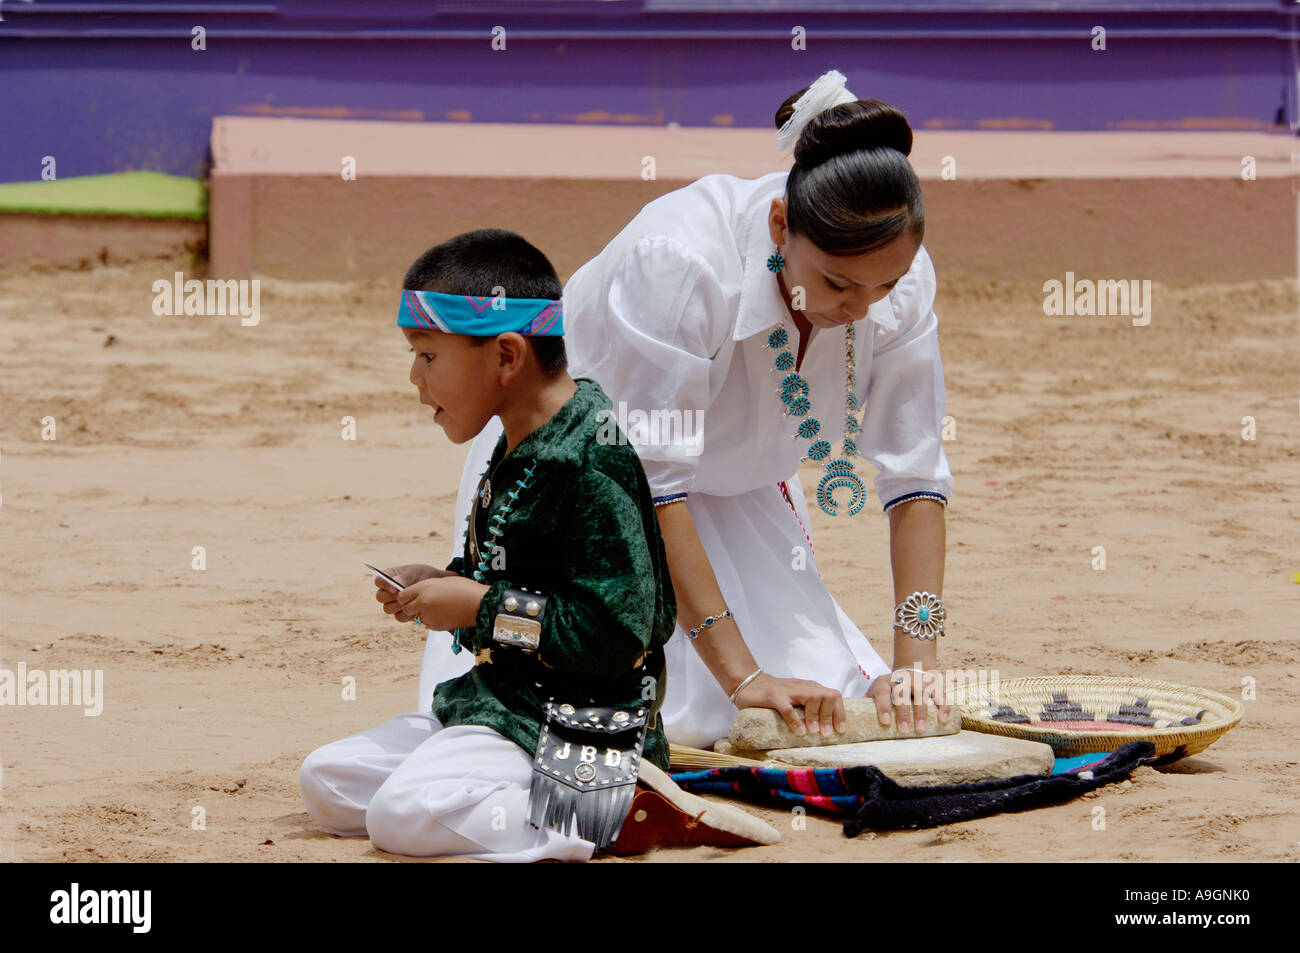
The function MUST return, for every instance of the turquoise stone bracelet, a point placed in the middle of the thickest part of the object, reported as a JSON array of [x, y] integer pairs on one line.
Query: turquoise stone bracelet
[[695, 633]]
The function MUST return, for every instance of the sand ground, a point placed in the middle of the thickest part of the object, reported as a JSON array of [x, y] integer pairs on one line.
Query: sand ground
[[177, 432]]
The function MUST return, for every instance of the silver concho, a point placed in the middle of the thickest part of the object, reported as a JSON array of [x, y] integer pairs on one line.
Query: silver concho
[[566, 709], [584, 772]]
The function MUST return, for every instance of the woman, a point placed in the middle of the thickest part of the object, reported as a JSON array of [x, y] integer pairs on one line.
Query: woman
[[725, 322]]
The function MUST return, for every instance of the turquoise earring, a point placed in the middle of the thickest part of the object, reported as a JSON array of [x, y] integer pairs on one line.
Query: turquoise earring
[[775, 263]]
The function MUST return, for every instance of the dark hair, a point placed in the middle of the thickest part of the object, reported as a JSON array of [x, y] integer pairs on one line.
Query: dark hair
[[477, 263], [851, 189]]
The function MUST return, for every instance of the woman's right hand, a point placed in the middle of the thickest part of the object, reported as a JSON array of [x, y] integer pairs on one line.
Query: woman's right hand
[[407, 576], [823, 708]]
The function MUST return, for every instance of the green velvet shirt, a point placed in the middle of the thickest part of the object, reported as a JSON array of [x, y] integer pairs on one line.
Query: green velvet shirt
[[583, 533]]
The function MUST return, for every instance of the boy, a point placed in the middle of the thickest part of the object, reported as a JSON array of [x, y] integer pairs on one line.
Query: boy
[[562, 593]]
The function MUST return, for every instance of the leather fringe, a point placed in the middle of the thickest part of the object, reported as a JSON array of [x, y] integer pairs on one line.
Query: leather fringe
[[597, 815]]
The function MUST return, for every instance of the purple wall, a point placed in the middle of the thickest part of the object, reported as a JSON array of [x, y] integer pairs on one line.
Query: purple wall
[[106, 87]]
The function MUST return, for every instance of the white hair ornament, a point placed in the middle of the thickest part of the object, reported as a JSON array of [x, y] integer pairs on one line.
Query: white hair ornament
[[827, 91]]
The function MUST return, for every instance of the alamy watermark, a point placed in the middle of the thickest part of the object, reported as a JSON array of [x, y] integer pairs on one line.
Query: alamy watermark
[[659, 427], [80, 687], [1085, 297], [178, 296], [75, 905], [954, 686]]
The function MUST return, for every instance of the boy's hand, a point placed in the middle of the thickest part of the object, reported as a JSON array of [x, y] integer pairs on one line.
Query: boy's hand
[[407, 576], [449, 601]]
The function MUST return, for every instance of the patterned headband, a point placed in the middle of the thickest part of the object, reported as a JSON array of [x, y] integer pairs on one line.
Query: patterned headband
[[480, 317]]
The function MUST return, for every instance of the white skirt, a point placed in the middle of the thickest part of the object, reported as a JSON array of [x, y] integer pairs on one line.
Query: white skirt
[[768, 575]]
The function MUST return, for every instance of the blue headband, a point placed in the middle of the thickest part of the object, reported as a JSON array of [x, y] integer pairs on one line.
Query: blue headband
[[466, 314]]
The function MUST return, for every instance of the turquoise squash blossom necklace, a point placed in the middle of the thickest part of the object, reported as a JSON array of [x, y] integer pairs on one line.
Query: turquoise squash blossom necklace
[[839, 472]]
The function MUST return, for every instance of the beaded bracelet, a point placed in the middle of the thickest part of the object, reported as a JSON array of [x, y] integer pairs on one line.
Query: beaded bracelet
[[670, 498], [695, 632]]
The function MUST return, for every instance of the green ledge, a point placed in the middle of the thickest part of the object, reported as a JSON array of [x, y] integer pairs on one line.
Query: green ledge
[[136, 194]]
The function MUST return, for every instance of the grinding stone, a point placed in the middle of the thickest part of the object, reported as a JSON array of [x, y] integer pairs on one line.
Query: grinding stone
[[763, 729], [962, 758]]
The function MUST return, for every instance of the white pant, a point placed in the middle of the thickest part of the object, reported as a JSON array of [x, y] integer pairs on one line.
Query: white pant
[[423, 790]]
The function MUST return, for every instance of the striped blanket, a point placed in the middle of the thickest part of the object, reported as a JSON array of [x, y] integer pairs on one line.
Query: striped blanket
[[867, 799]]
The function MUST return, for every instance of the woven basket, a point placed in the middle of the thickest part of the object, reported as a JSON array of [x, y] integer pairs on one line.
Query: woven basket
[[1079, 714]]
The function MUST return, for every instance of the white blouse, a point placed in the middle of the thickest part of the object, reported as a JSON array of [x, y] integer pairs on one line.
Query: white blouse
[[671, 318]]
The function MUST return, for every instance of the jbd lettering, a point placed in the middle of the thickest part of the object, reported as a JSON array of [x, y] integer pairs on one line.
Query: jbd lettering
[[103, 906], [659, 428], [1087, 297], [83, 687], [213, 297]]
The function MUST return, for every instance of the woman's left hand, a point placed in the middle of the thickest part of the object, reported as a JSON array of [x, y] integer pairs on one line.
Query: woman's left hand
[[443, 602], [903, 695]]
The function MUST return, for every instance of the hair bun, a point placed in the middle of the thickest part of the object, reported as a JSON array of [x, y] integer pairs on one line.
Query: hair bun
[[863, 124]]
